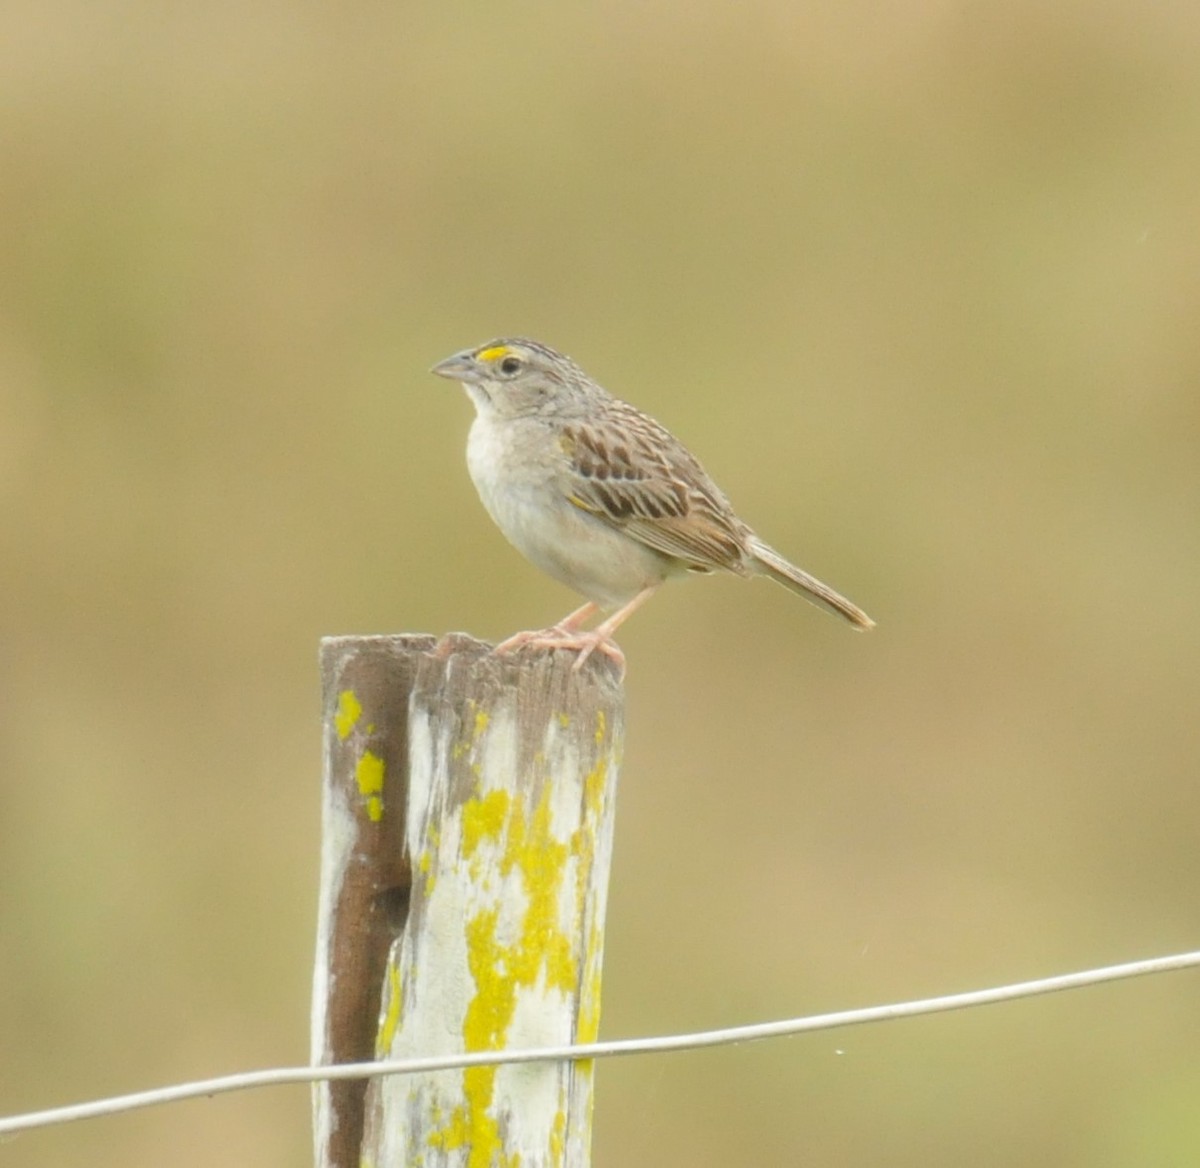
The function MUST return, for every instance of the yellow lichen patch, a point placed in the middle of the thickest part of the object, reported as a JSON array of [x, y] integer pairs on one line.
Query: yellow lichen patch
[[425, 867], [472, 1125], [542, 861], [391, 1013], [587, 1025], [349, 710], [558, 1133], [583, 839], [583, 846], [482, 718], [490, 1011], [594, 787], [369, 776], [483, 819], [481, 1138], [541, 957], [500, 970], [493, 354], [564, 720]]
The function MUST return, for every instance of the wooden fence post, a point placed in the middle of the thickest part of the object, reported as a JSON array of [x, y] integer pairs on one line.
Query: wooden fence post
[[468, 805]]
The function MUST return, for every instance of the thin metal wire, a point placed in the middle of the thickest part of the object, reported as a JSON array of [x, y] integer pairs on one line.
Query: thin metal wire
[[665, 1043]]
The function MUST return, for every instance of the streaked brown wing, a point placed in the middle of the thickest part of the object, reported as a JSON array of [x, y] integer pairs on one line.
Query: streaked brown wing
[[636, 476]]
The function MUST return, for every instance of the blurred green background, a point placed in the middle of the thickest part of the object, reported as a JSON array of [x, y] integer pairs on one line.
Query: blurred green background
[[919, 283]]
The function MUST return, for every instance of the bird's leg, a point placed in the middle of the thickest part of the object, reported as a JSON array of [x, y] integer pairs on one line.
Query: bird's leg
[[567, 634], [560, 637], [572, 622], [557, 635], [601, 637]]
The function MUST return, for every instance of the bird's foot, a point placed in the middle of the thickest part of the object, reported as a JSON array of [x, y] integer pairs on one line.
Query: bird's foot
[[562, 636]]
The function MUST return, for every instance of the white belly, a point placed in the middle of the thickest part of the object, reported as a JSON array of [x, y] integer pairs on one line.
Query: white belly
[[525, 497]]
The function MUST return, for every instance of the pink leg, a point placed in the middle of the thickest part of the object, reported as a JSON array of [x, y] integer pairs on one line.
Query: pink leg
[[601, 637], [567, 634], [564, 630], [574, 620]]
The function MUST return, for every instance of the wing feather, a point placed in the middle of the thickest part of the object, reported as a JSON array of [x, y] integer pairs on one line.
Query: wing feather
[[634, 475]]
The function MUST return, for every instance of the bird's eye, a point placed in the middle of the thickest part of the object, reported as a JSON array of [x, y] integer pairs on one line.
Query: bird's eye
[[510, 365]]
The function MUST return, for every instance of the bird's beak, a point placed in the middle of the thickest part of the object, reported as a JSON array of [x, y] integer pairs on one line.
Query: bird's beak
[[461, 367]]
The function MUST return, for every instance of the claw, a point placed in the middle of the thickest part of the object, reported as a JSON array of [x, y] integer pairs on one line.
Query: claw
[[568, 635], [558, 637], [606, 645]]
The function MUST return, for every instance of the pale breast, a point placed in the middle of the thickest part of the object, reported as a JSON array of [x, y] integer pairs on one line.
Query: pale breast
[[517, 470]]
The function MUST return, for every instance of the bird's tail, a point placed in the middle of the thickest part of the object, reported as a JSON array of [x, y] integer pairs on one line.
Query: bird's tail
[[769, 562]]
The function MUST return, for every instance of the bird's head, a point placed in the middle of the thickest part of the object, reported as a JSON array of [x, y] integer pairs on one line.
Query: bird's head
[[516, 376]]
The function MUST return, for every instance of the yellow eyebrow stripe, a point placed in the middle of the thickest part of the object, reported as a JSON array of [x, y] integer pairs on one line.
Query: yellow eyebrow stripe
[[492, 354]]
